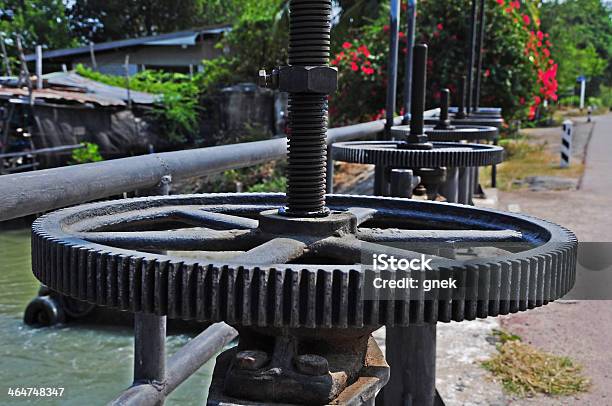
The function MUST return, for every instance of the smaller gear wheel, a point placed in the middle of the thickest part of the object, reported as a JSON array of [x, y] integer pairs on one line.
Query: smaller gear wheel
[[394, 154], [454, 133]]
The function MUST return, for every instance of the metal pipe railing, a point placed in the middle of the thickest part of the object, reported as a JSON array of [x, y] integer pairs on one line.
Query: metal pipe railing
[[35, 192], [184, 363]]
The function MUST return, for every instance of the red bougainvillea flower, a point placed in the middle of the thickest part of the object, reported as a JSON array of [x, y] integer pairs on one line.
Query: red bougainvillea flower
[[367, 71], [354, 67], [500, 2], [487, 73], [522, 101], [440, 27], [532, 111], [364, 50], [347, 45], [526, 19]]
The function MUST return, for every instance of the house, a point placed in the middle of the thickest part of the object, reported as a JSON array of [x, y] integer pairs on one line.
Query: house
[[181, 51]]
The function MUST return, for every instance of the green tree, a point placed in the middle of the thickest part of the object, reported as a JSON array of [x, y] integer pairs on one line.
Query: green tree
[[581, 31], [43, 22], [105, 20]]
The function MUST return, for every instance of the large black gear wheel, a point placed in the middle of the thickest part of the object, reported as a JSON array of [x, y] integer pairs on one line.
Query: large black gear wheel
[[456, 133], [285, 272], [393, 154]]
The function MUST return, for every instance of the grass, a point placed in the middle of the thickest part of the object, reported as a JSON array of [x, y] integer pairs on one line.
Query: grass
[[525, 371], [525, 158]]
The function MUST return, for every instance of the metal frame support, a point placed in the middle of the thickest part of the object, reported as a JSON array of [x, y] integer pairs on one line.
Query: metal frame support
[[392, 69], [150, 333], [410, 36], [464, 184], [450, 188], [411, 354]]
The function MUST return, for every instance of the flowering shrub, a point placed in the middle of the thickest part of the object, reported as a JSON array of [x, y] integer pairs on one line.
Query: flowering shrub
[[537, 49], [518, 73], [360, 87]]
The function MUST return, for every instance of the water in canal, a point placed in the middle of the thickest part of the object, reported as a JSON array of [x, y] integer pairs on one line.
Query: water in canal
[[92, 364]]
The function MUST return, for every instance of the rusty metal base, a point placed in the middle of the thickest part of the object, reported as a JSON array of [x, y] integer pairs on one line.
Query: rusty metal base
[[354, 377]]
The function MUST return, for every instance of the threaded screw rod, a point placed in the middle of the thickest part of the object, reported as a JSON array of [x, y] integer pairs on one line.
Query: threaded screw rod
[[309, 45], [461, 105], [471, 56], [419, 80], [444, 122], [481, 18]]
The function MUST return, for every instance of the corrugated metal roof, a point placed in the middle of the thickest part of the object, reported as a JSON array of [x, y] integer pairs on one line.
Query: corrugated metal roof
[[54, 94], [73, 87], [72, 79], [187, 37]]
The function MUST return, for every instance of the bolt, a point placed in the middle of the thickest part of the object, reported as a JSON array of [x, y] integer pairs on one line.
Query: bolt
[[444, 122], [268, 80], [251, 360], [310, 364]]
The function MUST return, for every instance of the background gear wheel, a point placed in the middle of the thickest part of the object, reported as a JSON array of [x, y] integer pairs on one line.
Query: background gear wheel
[[391, 154], [458, 133], [282, 276]]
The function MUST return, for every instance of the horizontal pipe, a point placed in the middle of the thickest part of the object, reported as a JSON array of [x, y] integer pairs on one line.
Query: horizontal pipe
[[184, 363], [42, 151], [39, 191]]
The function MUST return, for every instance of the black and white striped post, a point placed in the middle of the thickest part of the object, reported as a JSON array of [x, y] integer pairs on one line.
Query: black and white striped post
[[566, 143]]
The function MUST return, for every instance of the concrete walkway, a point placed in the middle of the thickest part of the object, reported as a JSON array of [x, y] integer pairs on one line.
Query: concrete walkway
[[581, 330]]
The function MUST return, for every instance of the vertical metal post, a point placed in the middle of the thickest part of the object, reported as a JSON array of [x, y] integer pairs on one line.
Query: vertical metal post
[[450, 188], [411, 354], [5, 60], [92, 55], [461, 98], [481, 15], [392, 69], [39, 67], [149, 348], [126, 68], [464, 186], [410, 36], [471, 57], [150, 333], [494, 167]]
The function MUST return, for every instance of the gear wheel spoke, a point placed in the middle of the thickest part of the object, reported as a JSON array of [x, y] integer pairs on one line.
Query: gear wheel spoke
[[185, 239], [276, 251], [470, 238]]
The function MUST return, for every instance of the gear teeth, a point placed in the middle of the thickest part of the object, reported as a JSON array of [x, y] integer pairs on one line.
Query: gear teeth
[[387, 153], [484, 288], [494, 294]]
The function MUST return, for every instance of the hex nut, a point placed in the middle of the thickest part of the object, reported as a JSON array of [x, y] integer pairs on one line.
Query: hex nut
[[308, 79], [251, 360], [310, 364]]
